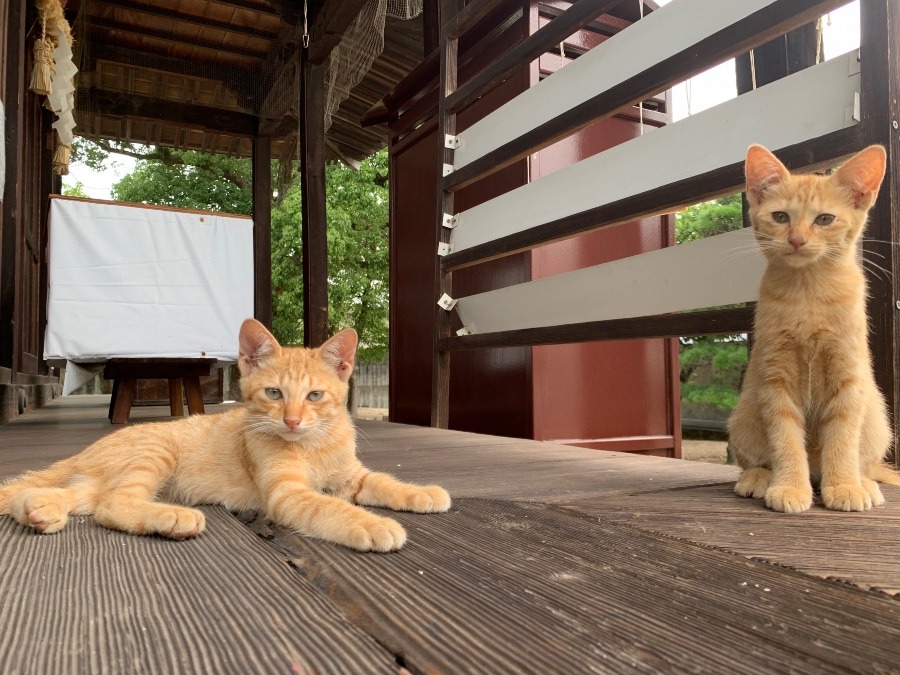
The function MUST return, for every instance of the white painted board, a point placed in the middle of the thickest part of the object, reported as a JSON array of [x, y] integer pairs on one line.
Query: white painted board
[[127, 281], [777, 115], [721, 270], [658, 36]]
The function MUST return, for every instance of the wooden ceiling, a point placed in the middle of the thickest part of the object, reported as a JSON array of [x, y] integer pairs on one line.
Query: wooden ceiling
[[209, 74]]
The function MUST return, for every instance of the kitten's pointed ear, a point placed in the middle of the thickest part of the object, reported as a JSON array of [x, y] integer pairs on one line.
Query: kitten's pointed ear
[[339, 352], [763, 170], [862, 175], [257, 345]]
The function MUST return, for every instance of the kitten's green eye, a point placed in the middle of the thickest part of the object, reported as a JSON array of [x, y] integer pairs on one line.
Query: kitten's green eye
[[315, 396], [824, 219], [273, 393], [781, 217]]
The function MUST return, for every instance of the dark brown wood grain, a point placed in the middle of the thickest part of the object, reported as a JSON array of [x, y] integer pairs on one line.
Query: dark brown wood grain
[[552, 559], [499, 587], [526, 51], [443, 282], [332, 21], [185, 18], [757, 28], [880, 75], [312, 189], [262, 230], [105, 601], [727, 179]]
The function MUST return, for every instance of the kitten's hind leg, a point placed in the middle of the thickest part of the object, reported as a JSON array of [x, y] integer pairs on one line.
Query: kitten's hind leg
[[753, 482], [128, 504], [130, 510], [45, 509]]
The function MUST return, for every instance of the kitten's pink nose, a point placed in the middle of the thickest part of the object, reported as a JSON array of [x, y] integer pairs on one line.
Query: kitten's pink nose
[[291, 423], [796, 241]]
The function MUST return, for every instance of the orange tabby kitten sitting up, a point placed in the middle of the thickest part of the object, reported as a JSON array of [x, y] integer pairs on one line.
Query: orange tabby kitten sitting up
[[290, 451], [809, 410]]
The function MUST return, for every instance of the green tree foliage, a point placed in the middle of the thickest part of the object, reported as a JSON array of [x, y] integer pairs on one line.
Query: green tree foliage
[[711, 366], [76, 190], [357, 229]]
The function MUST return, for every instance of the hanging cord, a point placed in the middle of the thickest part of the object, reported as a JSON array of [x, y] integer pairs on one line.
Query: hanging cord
[[305, 27]]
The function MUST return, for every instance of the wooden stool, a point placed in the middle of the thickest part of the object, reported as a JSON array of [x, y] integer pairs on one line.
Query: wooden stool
[[126, 372]]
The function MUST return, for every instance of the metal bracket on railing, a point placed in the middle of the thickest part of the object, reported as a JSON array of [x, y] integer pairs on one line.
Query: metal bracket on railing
[[466, 330], [449, 221], [853, 114], [444, 248], [451, 142], [446, 302], [448, 169]]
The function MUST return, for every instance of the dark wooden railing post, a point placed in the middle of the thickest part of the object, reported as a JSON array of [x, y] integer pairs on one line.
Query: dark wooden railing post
[[880, 73], [446, 129], [262, 229], [312, 189]]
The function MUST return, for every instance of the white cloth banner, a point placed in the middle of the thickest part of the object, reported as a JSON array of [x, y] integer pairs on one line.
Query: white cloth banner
[[128, 281]]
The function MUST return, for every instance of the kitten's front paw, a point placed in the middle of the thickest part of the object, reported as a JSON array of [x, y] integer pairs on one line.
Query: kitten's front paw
[[874, 491], [789, 498], [430, 499], [753, 482], [376, 534], [847, 497]]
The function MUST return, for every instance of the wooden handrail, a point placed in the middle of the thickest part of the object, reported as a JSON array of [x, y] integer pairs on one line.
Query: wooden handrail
[[666, 199], [758, 28], [706, 322]]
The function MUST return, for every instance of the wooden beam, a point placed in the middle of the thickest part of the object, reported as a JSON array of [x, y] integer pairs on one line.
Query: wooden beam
[[880, 73], [242, 82], [312, 189], [248, 5], [707, 322], [329, 26], [185, 18], [11, 225], [528, 50], [262, 230], [124, 104], [98, 29]]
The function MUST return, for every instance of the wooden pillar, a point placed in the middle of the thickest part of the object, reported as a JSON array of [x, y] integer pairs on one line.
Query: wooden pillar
[[262, 230], [11, 225], [431, 26], [880, 73], [312, 189], [443, 282]]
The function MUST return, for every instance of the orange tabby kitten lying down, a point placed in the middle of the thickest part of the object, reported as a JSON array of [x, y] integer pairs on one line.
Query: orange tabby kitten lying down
[[290, 451], [809, 410]]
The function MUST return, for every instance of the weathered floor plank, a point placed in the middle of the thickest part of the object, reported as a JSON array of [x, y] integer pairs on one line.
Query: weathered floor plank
[[859, 548], [515, 587], [91, 600], [553, 559]]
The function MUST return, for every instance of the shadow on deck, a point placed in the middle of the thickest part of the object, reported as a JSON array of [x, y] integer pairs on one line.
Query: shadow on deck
[[552, 559]]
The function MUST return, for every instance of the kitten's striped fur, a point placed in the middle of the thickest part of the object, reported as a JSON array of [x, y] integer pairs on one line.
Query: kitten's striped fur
[[290, 452], [810, 411]]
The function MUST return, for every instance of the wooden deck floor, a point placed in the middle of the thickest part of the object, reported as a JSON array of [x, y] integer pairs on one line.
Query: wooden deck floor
[[552, 559]]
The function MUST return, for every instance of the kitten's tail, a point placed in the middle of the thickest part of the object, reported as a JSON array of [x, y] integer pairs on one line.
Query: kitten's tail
[[885, 473], [55, 476]]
